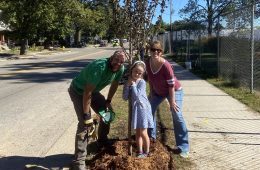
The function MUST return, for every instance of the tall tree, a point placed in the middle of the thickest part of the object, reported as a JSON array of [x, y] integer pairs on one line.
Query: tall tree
[[97, 21], [90, 18], [240, 16], [32, 19], [50, 19], [207, 12]]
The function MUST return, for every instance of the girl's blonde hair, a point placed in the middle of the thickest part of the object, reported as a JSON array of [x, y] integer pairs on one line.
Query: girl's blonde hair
[[138, 63]]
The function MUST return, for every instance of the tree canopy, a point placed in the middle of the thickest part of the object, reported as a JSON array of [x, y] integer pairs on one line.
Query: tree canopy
[[51, 19], [208, 13]]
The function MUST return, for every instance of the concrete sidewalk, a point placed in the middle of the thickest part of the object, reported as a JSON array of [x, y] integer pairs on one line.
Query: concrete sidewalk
[[224, 133]]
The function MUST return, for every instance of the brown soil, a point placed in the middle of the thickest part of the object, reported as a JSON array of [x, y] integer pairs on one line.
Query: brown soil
[[116, 157]]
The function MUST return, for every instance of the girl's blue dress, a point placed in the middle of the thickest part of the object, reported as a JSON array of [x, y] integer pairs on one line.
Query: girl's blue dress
[[141, 108]]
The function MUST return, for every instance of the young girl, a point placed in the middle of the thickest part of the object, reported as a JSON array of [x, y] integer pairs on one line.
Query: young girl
[[141, 109]]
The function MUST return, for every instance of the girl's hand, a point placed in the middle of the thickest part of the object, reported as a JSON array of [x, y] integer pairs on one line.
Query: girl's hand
[[130, 81]]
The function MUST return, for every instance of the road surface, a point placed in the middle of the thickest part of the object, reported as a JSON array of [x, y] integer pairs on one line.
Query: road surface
[[37, 116]]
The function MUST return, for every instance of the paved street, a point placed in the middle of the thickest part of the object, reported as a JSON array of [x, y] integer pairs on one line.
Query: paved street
[[37, 116]]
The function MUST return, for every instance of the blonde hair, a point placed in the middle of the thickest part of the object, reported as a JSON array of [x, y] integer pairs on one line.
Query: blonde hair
[[157, 45], [138, 63]]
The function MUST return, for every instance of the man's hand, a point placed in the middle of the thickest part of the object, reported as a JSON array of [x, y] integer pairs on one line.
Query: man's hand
[[88, 121], [108, 104], [88, 126]]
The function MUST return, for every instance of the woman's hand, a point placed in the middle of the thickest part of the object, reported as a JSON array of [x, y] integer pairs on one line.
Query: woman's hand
[[174, 107]]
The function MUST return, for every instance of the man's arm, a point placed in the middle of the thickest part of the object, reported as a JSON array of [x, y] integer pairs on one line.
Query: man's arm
[[112, 90], [87, 97]]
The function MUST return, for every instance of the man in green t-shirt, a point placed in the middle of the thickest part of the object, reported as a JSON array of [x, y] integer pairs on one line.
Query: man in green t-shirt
[[85, 93]]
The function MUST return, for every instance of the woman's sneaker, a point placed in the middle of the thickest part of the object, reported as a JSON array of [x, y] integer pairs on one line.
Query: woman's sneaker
[[184, 154]]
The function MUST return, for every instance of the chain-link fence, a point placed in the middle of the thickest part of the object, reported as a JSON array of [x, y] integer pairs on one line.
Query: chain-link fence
[[232, 52], [193, 47], [239, 47]]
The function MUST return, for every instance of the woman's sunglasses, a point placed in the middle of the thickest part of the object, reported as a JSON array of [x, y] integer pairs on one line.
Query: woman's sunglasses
[[154, 49]]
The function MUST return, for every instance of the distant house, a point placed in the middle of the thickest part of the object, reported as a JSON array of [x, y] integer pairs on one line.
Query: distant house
[[3, 29], [242, 33], [2, 37]]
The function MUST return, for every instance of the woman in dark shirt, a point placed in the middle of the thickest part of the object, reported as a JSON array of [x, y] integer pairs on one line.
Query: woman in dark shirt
[[164, 84]]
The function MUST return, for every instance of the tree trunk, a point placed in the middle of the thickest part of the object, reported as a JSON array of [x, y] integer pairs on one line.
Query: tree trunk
[[210, 23], [24, 47], [130, 148], [181, 44], [77, 36]]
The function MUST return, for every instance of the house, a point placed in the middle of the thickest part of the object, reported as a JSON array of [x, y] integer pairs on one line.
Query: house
[[3, 28], [3, 43], [2, 37]]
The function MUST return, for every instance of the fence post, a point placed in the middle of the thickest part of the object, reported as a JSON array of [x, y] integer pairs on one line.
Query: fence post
[[218, 49], [252, 47], [200, 51]]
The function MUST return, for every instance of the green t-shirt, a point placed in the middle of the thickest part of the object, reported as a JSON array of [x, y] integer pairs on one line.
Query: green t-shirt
[[97, 74]]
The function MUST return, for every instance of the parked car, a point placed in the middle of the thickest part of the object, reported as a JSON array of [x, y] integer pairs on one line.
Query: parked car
[[103, 43], [115, 42]]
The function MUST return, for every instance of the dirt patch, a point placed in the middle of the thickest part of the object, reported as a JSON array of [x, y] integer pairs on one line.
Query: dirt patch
[[116, 157]]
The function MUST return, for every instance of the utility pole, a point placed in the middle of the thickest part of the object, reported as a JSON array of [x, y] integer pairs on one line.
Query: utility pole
[[252, 46], [170, 38], [171, 15]]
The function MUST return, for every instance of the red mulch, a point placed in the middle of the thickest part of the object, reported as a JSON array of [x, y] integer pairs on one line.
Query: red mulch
[[117, 158]]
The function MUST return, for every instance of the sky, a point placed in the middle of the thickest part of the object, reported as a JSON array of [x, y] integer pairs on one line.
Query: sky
[[176, 6]]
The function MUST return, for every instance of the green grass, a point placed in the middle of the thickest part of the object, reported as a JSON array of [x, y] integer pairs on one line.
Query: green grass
[[121, 120], [34, 49]]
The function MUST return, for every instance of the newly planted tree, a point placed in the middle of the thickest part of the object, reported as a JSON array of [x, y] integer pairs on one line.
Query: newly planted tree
[[133, 19]]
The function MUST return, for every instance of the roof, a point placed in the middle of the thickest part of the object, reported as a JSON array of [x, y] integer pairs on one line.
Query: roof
[[3, 27]]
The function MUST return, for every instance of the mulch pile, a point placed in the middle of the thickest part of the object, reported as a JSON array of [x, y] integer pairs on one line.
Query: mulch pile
[[116, 157]]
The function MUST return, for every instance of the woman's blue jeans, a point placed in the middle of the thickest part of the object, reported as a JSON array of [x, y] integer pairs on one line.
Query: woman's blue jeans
[[180, 129]]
